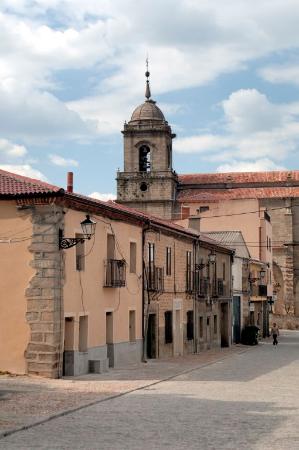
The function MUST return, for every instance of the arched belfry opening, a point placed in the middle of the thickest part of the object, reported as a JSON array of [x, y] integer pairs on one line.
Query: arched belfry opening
[[144, 158]]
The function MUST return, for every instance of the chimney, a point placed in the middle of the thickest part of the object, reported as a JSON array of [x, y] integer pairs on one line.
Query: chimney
[[69, 182], [194, 223]]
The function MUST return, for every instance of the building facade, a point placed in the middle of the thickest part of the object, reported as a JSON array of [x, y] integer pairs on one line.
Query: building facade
[[149, 183], [133, 289]]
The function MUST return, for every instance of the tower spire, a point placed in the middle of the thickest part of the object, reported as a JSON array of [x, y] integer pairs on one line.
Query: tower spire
[[147, 87]]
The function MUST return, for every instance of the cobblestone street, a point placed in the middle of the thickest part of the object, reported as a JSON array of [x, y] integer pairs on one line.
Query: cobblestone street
[[248, 400]]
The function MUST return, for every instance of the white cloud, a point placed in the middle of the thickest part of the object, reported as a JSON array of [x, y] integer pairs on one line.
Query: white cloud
[[103, 197], [260, 165], [255, 129], [25, 170], [8, 149], [201, 143], [199, 42], [33, 114], [287, 73], [249, 111], [63, 162]]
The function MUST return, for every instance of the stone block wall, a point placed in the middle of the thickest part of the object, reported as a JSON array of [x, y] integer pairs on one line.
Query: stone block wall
[[283, 232], [44, 294]]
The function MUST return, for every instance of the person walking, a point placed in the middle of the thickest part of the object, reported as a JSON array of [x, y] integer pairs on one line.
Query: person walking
[[275, 333]]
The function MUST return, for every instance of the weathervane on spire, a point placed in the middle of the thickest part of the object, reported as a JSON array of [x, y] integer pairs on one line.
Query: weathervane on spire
[[147, 87]]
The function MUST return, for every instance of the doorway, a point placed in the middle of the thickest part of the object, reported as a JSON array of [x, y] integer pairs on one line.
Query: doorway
[[236, 319], [109, 338], [224, 325], [68, 352], [208, 333], [151, 337], [178, 347]]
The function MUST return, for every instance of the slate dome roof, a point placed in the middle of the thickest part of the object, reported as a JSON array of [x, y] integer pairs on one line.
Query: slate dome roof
[[147, 111]]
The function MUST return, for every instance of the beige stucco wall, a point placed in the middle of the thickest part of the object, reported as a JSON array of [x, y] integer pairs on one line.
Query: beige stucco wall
[[84, 291], [15, 276], [237, 215]]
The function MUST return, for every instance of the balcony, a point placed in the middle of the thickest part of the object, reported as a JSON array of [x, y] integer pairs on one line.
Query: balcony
[[115, 271], [259, 291], [203, 287], [221, 288], [155, 278]]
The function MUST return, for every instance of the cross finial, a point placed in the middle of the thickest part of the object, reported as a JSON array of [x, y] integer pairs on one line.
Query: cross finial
[[147, 87]]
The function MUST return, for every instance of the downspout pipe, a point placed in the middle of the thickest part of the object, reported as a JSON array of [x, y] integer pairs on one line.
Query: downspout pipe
[[144, 319], [195, 258]]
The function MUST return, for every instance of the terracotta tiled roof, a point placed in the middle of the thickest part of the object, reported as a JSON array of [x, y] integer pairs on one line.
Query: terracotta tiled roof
[[279, 177], [12, 185], [139, 215], [154, 219], [215, 195]]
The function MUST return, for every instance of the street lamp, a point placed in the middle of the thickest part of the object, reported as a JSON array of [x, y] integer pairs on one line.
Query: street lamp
[[271, 301], [211, 260], [88, 227]]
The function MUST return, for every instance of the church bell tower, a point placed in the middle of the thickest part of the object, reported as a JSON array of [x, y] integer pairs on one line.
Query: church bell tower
[[148, 182]]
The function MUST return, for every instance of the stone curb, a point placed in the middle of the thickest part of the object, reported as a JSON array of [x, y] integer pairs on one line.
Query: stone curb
[[65, 412]]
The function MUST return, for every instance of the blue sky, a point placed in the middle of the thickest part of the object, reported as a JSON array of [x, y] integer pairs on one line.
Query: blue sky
[[225, 74]]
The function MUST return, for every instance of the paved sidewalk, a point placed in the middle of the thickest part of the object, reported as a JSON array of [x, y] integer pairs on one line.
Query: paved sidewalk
[[245, 400], [28, 400]]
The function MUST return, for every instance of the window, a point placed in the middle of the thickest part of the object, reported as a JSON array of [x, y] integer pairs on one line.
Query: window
[[215, 324], [203, 209], [188, 271], [132, 327], [201, 327], [110, 246], [151, 253], [185, 212], [83, 333], [168, 327], [132, 257], [223, 271], [144, 159], [190, 325], [80, 253], [168, 261]]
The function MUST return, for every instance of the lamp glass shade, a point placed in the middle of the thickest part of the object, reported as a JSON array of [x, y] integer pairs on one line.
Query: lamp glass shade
[[212, 257], [88, 226], [262, 273]]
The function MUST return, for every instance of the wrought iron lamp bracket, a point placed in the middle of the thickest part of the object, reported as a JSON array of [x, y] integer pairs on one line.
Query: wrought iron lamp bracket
[[200, 266], [70, 242]]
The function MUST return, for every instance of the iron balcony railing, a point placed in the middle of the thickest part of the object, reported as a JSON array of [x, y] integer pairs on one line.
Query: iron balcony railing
[[220, 288], [155, 278], [115, 273], [204, 286], [197, 284]]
